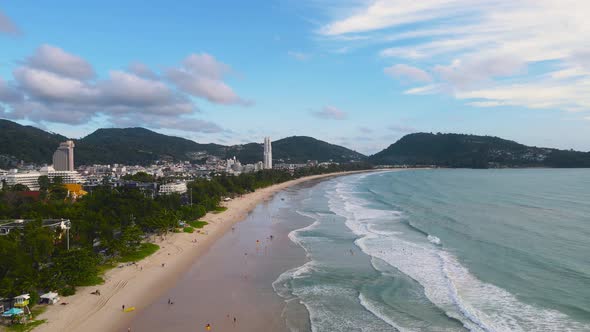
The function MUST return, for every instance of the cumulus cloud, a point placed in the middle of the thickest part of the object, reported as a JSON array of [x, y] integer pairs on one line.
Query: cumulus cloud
[[490, 52], [55, 86], [330, 113], [201, 75], [7, 26], [405, 72], [55, 60], [141, 70]]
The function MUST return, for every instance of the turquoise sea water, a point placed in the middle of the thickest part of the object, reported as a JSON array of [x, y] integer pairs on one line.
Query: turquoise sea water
[[444, 250]]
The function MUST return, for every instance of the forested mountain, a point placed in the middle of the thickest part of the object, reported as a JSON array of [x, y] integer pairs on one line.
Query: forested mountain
[[137, 146], [299, 149], [457, 150], [142, 146], [26, 143], [295, 149]]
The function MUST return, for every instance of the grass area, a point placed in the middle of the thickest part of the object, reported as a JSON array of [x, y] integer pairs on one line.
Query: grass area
[[219, 209], [25, 327], [197, 223], [94, 280], [188, 229], [145, 249]]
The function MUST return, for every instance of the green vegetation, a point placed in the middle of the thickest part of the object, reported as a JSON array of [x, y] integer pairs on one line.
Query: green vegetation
[[109, 225], [219, 209], [144, 250], [197, 224], [140, 177], [27, 143], [29, 326], [471, 151], [188, 229]]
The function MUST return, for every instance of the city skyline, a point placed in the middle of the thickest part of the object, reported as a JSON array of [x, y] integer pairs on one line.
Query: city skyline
[[354, 73]]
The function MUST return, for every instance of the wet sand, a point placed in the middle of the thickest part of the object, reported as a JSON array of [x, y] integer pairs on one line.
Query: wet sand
[[234, 277]]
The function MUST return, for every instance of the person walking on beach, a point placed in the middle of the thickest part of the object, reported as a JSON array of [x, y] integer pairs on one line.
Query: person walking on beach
[[123, 307], [208, 327]]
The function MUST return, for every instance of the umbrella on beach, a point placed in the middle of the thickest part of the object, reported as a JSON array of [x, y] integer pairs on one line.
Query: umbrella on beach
[[13, 312]]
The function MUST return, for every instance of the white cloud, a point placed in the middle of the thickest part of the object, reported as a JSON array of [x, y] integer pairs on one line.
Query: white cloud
[[7, 26], [141, 70], [56, 86], [56, 60], [201, 75], [413, 74], [330, 113], [529, 53]]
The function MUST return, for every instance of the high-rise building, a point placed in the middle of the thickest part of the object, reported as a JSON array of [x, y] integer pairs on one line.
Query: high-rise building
[[63, 157], [267, 153]]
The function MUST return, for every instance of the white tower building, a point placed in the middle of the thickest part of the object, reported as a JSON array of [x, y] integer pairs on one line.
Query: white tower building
[[63, 158], [267, 153]]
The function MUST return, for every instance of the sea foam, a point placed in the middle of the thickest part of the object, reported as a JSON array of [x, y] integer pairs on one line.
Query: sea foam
[[447, 283]]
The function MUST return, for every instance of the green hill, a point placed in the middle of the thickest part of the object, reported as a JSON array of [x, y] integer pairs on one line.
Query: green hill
[[138, 146], [142, 146], [300, 149], [295, 149], [458, 150], [18, 142]]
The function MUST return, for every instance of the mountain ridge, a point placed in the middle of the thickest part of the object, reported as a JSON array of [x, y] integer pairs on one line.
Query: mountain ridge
[[474, 151], [143, 146], [139, 145]]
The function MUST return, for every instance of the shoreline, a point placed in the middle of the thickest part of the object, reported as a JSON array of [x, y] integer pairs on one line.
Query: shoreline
[[139, 286]]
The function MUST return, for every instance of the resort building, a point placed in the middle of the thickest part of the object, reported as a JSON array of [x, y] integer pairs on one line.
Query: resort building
[[173, 188], [29, 179], [63, 157]]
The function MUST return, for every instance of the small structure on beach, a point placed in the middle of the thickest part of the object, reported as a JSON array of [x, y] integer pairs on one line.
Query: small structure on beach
[[22, 301], [49, 298]]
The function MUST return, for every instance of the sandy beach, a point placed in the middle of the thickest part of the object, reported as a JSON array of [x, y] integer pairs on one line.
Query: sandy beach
[[140, 285]]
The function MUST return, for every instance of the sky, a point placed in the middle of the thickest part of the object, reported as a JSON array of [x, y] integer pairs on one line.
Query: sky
[[358, 73]]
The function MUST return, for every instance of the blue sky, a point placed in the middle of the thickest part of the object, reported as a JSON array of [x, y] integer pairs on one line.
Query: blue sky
[[357, 73]]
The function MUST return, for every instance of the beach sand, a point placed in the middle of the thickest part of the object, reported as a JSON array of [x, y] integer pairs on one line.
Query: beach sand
[[139, 286], [234, 277]]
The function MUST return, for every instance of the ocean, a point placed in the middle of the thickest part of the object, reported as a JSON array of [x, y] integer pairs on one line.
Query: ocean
[[443, 250]]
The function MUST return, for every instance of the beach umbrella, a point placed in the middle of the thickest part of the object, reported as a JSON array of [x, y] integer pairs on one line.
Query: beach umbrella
[[13, 312]]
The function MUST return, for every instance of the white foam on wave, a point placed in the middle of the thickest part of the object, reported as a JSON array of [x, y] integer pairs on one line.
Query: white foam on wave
[[433, 239], [375, 310], [447, 284]]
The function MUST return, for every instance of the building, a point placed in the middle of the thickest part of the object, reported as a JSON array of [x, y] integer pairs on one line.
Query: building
[[173, 188], [63, 157], [30, 179], [267, 153]]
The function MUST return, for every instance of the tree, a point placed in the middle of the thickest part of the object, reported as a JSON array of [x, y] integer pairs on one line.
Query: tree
[[20, 187], [44, 182]]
